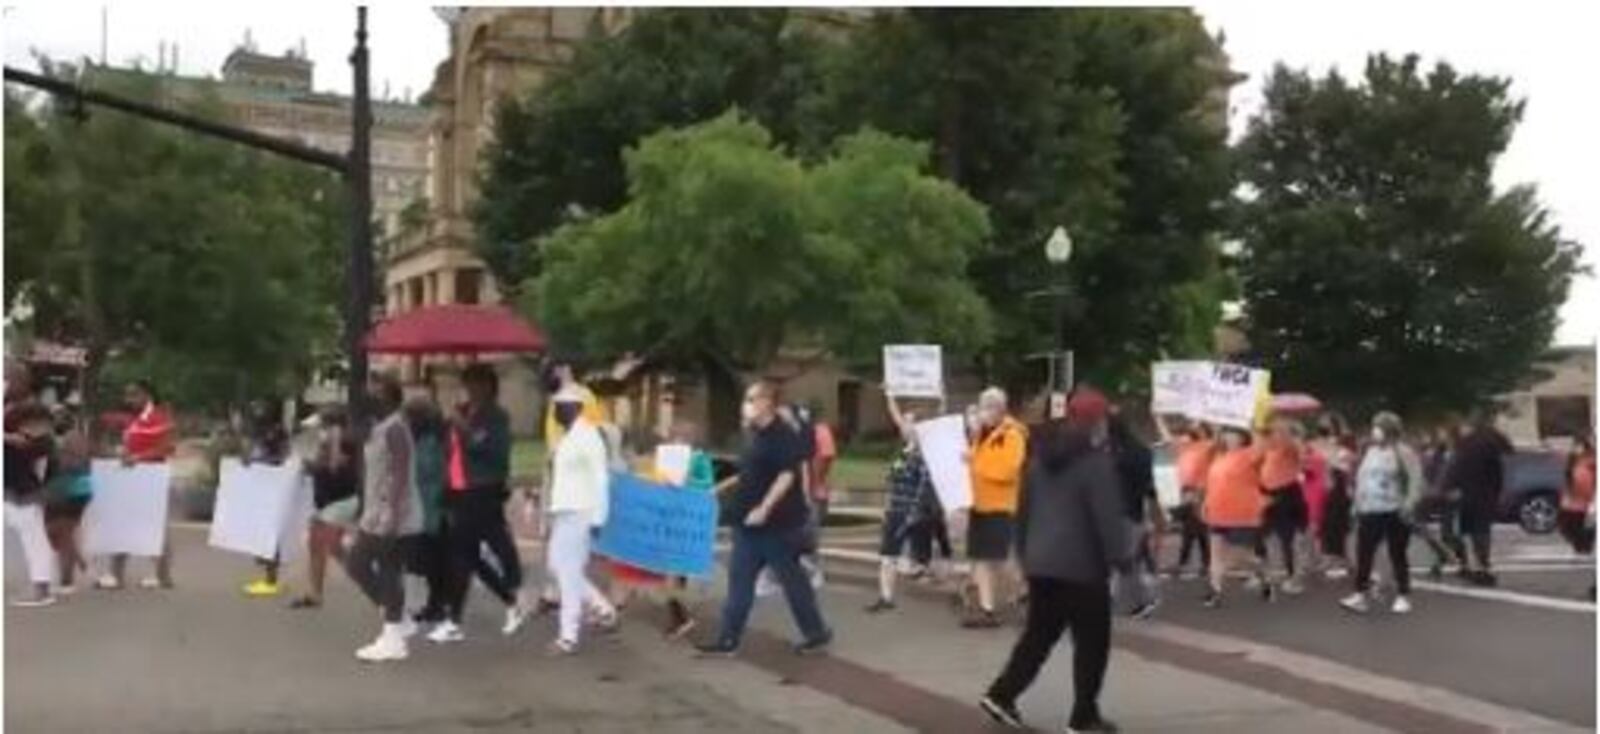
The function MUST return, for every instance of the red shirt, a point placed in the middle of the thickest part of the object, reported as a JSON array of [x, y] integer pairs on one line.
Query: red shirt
[[148, 439]]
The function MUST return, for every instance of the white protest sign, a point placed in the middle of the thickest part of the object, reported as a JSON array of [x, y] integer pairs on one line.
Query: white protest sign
[[943, 442], [296, 520], [1234, 395], [128, 512], [253, 506], [1176, 387], [913, 371], [672, 462]]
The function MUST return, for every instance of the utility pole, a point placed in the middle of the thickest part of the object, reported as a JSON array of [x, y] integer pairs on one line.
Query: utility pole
[[358, 309]]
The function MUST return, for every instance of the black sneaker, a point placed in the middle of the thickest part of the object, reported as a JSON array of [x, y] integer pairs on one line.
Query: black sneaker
[[718, 649], [1436, 573], [1004, 714], [1098, 726], [1269, 593], [1487, 579], [1144, 611], [881, 605], [818, 646], [983, 620]]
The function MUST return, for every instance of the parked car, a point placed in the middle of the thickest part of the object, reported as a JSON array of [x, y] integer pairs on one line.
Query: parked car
[[1531, 494]]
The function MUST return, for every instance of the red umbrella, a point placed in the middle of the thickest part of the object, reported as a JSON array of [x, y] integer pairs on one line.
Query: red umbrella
[[455, 329], [1295, 402]]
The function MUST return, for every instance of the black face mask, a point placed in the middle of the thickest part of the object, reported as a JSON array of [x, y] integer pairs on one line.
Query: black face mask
[[567, 413]]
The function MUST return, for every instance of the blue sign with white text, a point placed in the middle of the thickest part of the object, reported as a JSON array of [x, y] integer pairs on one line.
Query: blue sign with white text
[[660, 528]]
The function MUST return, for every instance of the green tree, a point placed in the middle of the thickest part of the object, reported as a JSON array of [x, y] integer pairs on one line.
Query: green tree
[[209, 267], [1108, 122], [1381, 268], [557, 153], [728, 250]]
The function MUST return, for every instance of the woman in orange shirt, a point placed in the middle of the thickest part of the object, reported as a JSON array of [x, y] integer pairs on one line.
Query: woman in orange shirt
[[1233, 511], [1577, 499], [1284, 516], [1195, 449]]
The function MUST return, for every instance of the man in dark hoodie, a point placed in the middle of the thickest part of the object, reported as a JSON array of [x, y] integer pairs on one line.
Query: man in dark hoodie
[[1072, 533], [1476, 473]]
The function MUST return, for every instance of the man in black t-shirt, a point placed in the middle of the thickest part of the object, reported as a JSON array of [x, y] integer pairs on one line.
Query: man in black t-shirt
[[770, 499]]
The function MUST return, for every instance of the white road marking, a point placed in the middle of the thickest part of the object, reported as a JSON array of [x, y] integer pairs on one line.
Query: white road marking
[[1509, 597]]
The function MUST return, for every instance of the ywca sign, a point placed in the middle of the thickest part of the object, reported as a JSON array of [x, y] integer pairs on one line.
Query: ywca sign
[[58, 354]]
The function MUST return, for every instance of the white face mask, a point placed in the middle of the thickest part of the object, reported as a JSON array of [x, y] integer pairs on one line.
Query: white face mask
[[748, 413], [1378, 435]]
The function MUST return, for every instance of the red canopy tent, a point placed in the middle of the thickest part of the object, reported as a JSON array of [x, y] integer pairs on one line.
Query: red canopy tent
[[455, 329]]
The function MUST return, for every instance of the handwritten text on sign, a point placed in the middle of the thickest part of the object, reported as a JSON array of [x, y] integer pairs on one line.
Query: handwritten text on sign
[[659, 528], [1224, 394], [913, 371]]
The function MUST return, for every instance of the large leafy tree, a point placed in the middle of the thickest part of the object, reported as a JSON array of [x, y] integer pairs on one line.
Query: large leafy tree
[[1381, 267], [728, 250], [212, 268], [1107, 122], [557, 153]]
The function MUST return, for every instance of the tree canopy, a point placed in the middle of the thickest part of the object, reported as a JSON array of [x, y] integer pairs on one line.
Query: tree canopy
[[1381, 267], [727, 250], [209, 267]]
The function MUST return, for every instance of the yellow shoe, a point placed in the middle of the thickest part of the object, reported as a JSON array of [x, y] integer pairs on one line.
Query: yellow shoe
[[261, 587]]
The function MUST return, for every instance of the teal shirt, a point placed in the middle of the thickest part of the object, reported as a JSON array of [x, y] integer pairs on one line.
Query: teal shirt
[[702, 476], [486, 448], [430, 461]]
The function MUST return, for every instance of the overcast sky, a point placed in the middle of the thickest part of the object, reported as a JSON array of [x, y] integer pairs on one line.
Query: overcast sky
[[1547, 47]]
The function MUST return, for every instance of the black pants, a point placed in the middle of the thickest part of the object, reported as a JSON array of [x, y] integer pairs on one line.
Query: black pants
[[1336, 519], [923, 537], [432, 558], [1388, 528], [477, 519], [1194, 536], [1054, 606], [375, 563], [1282, 519]]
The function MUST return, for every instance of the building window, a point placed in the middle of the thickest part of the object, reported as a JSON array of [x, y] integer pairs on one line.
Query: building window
[[469, 284], [1562, 417], [415, 284]]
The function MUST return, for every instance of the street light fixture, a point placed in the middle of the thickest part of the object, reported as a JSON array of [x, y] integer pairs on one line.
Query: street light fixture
[[1058, 251]]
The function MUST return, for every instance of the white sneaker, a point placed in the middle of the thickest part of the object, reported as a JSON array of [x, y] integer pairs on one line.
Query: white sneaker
[[408, 628], [108, 583], [1253, 583], [516, 616], [1336, 573], [1293, 587], [67, 589], [1402, 605], [387, 647], [34, 601], [1356, 602], [446, 632], [766, 586]]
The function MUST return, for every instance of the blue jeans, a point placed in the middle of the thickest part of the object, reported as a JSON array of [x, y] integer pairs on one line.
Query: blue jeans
[[754, 550]]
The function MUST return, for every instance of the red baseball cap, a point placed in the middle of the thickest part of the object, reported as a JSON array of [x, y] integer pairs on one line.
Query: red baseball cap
[[1087, 405]]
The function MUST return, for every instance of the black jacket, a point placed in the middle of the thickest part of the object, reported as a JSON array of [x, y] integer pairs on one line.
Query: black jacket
[[1477, 470], [1071, 522]]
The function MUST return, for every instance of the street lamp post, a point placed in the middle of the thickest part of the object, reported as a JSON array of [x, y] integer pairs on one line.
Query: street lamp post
[[1058, 251]]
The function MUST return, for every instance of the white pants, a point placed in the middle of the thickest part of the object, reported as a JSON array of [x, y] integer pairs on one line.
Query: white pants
[[27, 521], [568, 559]]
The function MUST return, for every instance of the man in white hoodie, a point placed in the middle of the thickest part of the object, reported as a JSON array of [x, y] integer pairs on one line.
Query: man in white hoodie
[[580, 479]]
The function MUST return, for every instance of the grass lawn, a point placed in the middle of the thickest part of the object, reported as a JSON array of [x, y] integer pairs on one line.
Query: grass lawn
[[527, 458], [858, 468]]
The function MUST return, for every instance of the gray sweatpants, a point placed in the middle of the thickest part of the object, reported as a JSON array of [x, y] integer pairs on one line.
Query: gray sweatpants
[[376, 563], [1133, 589]]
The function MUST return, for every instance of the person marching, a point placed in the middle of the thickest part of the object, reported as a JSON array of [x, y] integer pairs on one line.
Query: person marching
[[479, 468], [1340, 449], [770, 501], [431, 556], [1071, 535], [1136, 479], [1577, 500], [1389, 483], [578, 503], [68, 492], [1477, 474], [909, 483], [1234, 510], [147, 439], [29, 445], [1285, 513], [335, 490], [997, 458], [1195, 449], [268, 444], [391, 518]]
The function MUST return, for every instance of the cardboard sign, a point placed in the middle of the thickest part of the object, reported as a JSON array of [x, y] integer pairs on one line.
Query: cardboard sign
[[1175, 387], [128, 512], [943, 442], [913, 371], [1220, 393], [255, 507], [659, 528]]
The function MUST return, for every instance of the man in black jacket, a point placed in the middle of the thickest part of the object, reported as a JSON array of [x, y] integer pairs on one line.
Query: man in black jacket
[[1477, 472], [1136, 477], [1072, 532]]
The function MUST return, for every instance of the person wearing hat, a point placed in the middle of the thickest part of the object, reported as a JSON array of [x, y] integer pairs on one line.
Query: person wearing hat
[[580, 476], [1072, 533], [1389, 483]]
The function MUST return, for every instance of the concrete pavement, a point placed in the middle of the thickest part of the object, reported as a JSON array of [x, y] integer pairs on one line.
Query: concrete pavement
[[203, 659]]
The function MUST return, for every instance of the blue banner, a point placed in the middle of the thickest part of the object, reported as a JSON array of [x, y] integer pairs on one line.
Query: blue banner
[[660, 528]]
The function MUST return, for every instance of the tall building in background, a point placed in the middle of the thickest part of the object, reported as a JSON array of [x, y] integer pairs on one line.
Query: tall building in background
[[273, 95]]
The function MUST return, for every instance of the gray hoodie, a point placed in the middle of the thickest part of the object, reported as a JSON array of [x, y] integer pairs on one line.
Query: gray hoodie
[[1071, 523]]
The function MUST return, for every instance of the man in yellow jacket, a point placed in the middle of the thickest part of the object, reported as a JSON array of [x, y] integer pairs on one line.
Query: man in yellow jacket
[[998, 454]]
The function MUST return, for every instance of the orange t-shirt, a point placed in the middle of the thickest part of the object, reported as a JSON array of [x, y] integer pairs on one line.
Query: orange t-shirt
[[1194, 461], [1233, 490], [997, 459], [1280, 467]]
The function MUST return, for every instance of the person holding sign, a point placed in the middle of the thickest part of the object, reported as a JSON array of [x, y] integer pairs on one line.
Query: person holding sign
[[769, 498], [146, 440], [909, 484], [1233, 511], [268, 444], [28, 452], [580, 474], [997, 461], [335, 484]]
